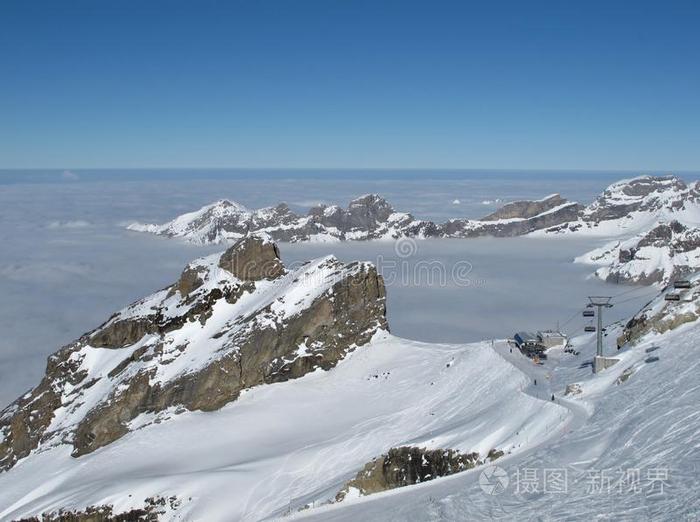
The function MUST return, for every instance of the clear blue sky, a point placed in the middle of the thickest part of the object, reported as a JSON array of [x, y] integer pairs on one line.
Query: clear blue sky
[[296, 83]]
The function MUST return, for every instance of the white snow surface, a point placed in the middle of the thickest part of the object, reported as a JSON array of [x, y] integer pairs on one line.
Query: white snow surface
[[299, 441], [203, 225], [284, 447], [630, 453], [284, 450]]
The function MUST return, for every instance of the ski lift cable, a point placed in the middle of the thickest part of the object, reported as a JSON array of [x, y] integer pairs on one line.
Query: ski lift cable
[[575, 314], [636, 297], [635, 289]]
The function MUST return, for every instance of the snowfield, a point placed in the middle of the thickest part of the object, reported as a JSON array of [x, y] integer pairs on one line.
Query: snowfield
[[631, 452], [626, 439], [296, 443]]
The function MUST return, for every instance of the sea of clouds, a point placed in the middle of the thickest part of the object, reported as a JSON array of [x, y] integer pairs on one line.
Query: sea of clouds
[[67, 262]]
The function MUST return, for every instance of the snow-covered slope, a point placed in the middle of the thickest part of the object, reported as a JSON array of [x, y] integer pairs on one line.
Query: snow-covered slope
[[215, 223], [631, 454], [367, 217], [221, 383], [296, 443], [665, 253]]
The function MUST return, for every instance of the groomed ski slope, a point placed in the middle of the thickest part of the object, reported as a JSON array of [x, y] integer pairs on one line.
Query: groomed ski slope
[[283, 446], [650, 423]]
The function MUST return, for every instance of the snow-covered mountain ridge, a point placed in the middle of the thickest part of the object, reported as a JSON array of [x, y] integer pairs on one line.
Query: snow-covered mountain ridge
[[367, 217], [653, 220], [634, 205], [624, 208], [655, 223], [667, 252]]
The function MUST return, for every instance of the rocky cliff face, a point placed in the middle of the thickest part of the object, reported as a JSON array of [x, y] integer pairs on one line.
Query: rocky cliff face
[[231, 322], [367, 217]]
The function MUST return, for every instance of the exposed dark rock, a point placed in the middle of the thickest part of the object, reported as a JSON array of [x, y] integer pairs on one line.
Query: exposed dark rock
[[152, 508], [190, 280], [409, 465], [252, 259], [525, 209], [518, 227]]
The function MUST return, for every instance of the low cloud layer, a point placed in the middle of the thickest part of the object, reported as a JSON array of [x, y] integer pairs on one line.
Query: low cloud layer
[[66, 266]]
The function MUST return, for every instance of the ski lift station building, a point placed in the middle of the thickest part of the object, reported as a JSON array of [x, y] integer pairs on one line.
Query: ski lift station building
[[528, 341], [539, 341], [552, 338]]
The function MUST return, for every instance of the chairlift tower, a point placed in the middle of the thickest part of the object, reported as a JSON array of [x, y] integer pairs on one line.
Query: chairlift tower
[[599, 302]]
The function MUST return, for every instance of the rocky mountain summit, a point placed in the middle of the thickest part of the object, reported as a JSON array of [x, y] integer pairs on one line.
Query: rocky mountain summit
[[635, 205], [367, 217], [231, 322]]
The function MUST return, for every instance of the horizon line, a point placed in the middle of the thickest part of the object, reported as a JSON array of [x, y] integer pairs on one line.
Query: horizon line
[[389, 169]]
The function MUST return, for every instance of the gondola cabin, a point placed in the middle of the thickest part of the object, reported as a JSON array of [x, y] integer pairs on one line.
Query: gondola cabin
[[672, 297], [589, 329], [681, 284], [588, 313]]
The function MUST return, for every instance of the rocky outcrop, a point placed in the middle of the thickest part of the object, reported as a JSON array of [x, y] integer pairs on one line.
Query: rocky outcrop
[[526, 209], [152, 511], [460, 228], [231, 322], [252, 259], [661, 315], [408, 465]]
